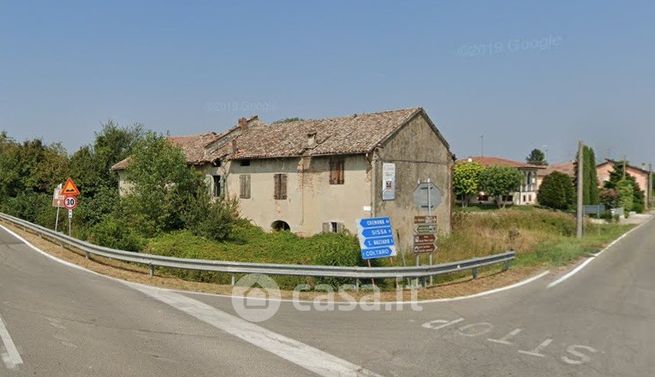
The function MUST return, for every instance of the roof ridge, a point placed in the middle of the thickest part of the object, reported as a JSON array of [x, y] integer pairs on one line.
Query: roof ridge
[[341, 117]]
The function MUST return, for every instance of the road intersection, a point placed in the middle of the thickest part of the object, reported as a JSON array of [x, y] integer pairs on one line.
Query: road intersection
[[68, 322]]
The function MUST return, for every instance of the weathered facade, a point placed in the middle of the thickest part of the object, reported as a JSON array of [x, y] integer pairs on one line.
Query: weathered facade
[[322, 175]]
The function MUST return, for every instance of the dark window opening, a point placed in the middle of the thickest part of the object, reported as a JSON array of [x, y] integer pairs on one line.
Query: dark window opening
[[218, 186], [337, 171], [280, 225], [280, 186], [333, 227], [244, 162]]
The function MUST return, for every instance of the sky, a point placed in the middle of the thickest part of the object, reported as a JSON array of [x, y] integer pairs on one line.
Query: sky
[[524, 74]]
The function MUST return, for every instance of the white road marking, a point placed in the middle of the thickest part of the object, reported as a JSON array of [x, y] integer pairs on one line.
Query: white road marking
[[11, 357], [475, 329], [538, 349], [571, 273], [310, 358], [586, 262], [574, 349], [440, 323], [505, 339]]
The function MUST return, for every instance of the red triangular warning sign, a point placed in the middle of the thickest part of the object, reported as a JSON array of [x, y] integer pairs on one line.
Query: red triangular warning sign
[[70, 189]]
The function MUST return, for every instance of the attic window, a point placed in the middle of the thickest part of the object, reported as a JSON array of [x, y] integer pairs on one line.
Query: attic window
[[245, 162], [337, 171]]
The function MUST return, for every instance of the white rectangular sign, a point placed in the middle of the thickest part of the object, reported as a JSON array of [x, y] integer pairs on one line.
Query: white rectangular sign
[[388, 181], [57, 198]]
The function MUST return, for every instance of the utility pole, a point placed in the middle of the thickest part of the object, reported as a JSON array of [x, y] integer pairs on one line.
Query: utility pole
[[482, 145], [649, 191], [579, 218], [624, 166]]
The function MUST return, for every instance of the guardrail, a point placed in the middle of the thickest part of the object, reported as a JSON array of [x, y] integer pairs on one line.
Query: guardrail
[[233, 268]]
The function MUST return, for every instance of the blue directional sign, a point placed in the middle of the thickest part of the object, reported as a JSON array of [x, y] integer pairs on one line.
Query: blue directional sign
[[376, 237]]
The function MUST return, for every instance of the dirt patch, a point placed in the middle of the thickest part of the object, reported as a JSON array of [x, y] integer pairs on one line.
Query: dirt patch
[[487, 279]]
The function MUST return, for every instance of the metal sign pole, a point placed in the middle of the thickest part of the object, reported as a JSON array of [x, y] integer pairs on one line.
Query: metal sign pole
[[57, 219], [70, 217], [430, 217]]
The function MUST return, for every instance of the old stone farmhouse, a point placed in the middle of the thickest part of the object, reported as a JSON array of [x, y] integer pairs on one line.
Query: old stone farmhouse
[[312, 176]]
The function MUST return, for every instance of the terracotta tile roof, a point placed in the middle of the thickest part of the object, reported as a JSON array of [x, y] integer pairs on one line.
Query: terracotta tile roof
[[192, 146], [353, 134], [567, 168], [253, 139], [501, 162]]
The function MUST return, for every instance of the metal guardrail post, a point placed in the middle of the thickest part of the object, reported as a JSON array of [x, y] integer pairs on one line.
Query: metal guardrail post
[[152, 269], [474, 271], [506, 265]]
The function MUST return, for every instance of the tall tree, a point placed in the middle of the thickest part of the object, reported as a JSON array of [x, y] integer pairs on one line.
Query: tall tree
[[466, 181], [617, 175], [500, 181], [590, 190], [164, 187], [536, 157]]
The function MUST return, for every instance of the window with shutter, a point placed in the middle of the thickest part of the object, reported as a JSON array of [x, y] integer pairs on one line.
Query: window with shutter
[[337, 171], [280, 186], [244, 186]]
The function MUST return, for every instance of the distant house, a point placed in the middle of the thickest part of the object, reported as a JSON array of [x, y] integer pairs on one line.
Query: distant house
[[312, 176], [567, 168], [603, 171], [527, 192], [642, 176]]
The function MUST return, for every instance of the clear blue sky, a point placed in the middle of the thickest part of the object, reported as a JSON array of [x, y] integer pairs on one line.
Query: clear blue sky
[[523, 73]]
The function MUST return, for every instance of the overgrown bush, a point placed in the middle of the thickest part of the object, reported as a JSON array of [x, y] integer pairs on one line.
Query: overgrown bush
[[213, 220], [115, 234]]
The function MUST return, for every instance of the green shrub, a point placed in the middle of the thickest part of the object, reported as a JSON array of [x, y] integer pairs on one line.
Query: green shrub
[[115, 234], [625, 190], [556, 191], [212, 220]]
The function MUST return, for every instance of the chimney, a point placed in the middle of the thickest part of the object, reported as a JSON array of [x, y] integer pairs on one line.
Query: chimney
[[311, 139], [243, 124], [234, 146]]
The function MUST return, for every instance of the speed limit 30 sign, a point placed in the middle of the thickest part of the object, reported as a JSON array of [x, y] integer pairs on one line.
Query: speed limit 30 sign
[[70, 202]]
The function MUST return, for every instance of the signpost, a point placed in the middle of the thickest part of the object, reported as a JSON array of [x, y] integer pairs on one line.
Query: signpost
[[70, 192], [376, 238], [57, 202], [70, 203], [427, 196], [70, 189]]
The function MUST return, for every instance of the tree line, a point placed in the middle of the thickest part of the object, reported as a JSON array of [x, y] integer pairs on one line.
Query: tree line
[[167, 194], [557, 190]]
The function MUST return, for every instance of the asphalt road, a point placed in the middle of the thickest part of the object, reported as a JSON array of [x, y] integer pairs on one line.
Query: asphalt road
[[56, 320]]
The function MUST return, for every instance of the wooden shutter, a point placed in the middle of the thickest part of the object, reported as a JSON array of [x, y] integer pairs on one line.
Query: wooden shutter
[[280, 186], [283, 189], [244, 186]]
